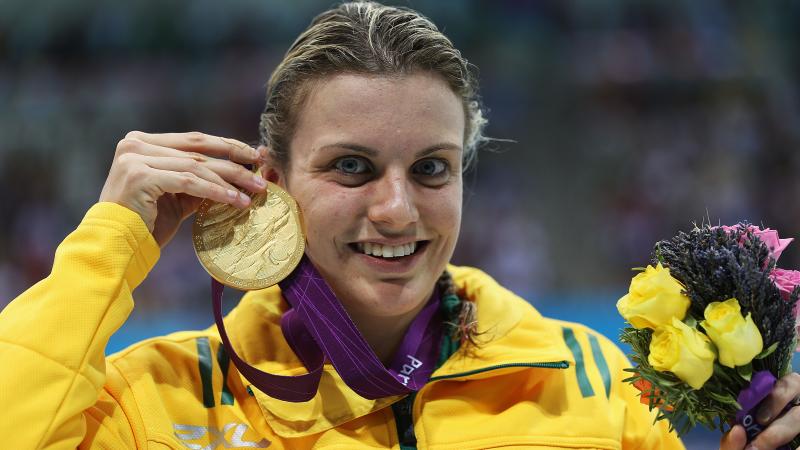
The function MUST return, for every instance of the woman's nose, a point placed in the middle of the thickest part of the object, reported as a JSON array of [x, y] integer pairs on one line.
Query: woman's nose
[[393, 203]]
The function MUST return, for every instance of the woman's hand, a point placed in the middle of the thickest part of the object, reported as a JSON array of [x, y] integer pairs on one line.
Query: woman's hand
[[779, 430], [164, 177]]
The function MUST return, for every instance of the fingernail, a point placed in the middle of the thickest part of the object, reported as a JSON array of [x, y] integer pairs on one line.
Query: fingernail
[[260, 182], [232, 194], [255, 154], [763, 417], [751, 447], [244, 198]]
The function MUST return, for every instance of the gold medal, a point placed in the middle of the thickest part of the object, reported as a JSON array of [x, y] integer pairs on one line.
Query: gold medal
[[251, 248]]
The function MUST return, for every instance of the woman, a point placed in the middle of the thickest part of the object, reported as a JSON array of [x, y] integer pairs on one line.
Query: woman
[[370, 120]]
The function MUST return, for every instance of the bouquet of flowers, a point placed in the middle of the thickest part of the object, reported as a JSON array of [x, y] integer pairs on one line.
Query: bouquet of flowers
[[712, 325]]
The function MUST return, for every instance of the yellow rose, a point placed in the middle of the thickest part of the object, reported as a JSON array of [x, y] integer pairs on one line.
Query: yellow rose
[[653, 299], [684, 351], [737, 338]]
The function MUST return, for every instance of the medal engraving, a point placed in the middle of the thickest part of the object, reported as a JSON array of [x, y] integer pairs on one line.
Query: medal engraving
[[251, 248]]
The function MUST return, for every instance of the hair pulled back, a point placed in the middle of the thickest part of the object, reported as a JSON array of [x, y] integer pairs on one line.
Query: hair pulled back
[[365, 37]]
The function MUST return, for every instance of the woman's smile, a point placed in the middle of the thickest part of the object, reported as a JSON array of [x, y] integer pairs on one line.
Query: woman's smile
[[399, 258]]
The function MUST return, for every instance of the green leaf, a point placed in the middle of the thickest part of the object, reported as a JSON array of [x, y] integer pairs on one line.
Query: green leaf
[[724, 373], [767, 351], [724, 399], [638, 269], [663, 382], [745, 371]]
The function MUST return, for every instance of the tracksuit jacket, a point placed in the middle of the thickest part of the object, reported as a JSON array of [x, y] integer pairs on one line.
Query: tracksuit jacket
[[533, 382]]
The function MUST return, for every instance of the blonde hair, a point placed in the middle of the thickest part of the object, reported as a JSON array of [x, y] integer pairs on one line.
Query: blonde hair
[[365, 37]]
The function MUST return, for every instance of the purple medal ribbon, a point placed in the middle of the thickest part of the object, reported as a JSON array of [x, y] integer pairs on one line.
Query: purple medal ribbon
[[761, 384], [317, 327]]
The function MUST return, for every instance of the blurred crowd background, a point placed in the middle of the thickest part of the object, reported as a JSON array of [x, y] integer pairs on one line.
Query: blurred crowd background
[[629, 120]]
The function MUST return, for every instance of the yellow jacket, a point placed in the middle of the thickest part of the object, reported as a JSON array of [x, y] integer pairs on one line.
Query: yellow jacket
[[534, 383]]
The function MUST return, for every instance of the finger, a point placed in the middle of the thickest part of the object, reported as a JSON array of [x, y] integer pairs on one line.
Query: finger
[[786, 389], [189, 183], [781, 431], [237, 174], [185, 165], [735, 439], [216, 171], [135, 146], [206, 144]]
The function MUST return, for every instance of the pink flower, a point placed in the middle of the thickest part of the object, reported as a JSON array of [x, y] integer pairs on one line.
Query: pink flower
[[775, 245], [786, 280], [768, 236]]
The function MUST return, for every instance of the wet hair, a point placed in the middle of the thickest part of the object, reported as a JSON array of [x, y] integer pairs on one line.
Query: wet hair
[[460, 316], [365, 37]]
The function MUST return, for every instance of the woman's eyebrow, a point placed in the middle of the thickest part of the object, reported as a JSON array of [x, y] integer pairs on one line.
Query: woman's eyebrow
[[372, 152], [437, 147], [355, 147]]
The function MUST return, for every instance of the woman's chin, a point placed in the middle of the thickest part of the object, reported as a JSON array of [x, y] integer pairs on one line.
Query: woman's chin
[[384, 298]]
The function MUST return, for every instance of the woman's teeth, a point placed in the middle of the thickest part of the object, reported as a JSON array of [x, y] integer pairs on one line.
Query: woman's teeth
[[387, 251]]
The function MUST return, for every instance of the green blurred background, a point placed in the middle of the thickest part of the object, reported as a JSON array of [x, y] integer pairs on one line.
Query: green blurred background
[[631, 120]]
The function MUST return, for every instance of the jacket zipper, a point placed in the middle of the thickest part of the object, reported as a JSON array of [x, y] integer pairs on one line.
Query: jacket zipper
[[544, 365], [404, 409]]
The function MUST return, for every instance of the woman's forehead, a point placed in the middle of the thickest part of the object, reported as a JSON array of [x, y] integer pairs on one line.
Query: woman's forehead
[[418, 109], [345, 95]]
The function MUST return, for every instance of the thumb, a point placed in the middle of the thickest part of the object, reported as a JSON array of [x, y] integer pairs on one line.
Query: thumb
[[735, 439]]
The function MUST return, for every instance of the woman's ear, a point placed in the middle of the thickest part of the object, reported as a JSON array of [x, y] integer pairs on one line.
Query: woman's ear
[[269, 168]]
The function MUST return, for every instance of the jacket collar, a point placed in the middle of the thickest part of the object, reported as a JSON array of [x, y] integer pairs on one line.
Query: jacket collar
[[510, 332]]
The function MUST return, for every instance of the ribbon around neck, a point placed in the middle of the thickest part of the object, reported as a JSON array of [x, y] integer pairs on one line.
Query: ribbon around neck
[[317, 328]]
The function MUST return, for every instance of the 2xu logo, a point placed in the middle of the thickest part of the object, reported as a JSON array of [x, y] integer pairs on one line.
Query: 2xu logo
[[216, 436], [408, 369]]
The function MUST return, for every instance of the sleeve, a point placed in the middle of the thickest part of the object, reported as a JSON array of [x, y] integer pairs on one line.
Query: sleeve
[[53, 384]]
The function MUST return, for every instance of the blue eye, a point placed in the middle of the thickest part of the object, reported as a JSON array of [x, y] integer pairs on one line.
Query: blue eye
[[430, 167], [351, 166]]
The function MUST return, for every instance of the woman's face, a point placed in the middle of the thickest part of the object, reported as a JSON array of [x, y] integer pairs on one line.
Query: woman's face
[[375, 167]]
